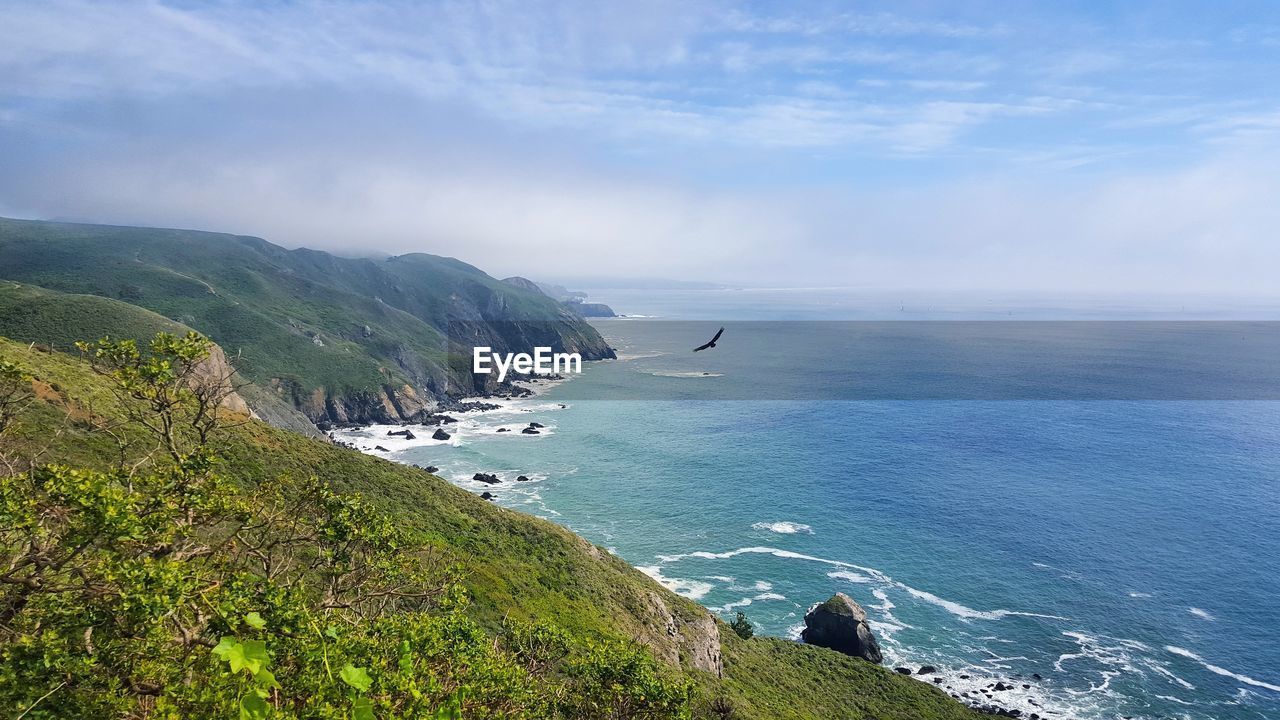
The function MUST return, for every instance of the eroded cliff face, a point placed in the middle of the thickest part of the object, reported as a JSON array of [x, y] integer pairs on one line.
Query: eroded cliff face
[[678, 632], [217, 371], [427, 384], [690, 640]]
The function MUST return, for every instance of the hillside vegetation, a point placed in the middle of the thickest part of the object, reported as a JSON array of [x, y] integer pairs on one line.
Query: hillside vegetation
[[341, 339], [59, 320], [153, 612]]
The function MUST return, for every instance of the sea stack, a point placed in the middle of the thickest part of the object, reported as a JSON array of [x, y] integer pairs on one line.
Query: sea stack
[[841, 624]]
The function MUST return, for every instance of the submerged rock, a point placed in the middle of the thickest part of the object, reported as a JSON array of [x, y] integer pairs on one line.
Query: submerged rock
[[522, 478], [486, 478], [841, 624], [530, 431], [406, 434]]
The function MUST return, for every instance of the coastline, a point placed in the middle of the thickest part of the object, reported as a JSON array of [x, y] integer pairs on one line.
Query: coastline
[[980, 689], [1032, 647]]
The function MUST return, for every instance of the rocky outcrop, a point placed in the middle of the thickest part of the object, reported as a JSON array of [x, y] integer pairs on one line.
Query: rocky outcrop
[[440, 435], [586, 309], [841, 624], [689, 641], [214, 370]]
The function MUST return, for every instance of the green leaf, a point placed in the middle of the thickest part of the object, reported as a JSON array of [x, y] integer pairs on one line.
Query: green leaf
[[361, 709], [265, 678], [331, 632], [224, 647], [253, 706], [255, 621], [357, 678], [406, 657], [250, 655], [234, 653]]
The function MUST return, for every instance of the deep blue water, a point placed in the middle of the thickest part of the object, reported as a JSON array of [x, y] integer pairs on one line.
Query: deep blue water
[[1124, 550]]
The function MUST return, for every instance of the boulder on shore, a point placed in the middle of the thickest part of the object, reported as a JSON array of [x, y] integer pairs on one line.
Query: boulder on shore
[[841, 624], [439, 435]]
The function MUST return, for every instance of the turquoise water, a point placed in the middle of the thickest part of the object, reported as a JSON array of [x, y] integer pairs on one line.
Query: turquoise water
[[1124, 550]]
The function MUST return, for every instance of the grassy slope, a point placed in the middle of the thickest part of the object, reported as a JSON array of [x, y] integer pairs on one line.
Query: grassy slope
[[59, 320], [516, 564], [35, 315], [227, 287]]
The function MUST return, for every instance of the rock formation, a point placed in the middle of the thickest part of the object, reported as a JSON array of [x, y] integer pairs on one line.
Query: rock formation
[[841, 624]]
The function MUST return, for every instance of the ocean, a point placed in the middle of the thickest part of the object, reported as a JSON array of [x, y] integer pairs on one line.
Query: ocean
[[1109, 553]]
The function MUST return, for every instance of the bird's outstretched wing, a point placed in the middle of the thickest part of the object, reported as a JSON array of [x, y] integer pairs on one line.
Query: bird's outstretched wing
[[710, 343]]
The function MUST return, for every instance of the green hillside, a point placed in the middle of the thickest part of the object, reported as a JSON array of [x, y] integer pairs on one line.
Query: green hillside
[[341, 339], [516, 569], [59, 320]]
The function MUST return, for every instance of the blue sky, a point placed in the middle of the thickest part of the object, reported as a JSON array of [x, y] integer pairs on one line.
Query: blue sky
[[954, 145]]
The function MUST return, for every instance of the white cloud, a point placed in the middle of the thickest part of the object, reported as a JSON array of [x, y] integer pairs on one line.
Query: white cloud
[[637, 138]]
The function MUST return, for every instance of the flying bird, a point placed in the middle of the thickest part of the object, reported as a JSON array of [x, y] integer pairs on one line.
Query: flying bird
[[712, 342]]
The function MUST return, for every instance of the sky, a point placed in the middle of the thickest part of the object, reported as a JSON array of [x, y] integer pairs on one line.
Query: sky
[[991, 146]]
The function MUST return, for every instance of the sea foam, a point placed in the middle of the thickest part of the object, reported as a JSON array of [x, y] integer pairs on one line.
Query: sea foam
[[692, 589], [1218, 670], [955, 608], [784, 527]]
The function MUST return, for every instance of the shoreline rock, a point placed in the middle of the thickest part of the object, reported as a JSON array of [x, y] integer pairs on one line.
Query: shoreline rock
[[841, 625]]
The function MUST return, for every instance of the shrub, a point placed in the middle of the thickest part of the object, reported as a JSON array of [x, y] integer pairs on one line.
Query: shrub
[[742, 626], [168, 590]]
